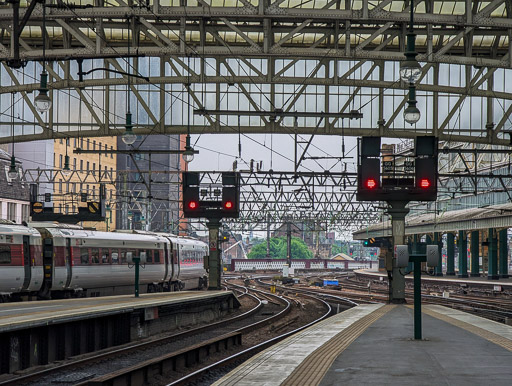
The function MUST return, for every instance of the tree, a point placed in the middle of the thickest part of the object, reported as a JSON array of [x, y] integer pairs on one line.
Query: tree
[[278, 249]]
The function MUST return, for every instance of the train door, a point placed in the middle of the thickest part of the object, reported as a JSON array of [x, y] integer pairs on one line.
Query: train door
[[27, 262], [47, 264], [67, 259], [166, 260]]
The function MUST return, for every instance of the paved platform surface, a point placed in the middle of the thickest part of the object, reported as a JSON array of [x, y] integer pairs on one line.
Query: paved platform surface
[[15, 316], [372, 344], [482, 280]]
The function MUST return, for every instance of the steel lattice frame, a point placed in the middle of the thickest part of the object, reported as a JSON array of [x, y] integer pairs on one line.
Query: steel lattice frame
[[265, 55]]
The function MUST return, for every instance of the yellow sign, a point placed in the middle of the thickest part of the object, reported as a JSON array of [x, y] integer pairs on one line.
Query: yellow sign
[[37, 207], [93, 206]]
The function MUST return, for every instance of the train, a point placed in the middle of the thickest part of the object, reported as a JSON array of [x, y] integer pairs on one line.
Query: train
[[53, 261]]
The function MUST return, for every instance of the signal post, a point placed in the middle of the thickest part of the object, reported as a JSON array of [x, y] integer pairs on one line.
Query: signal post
[[414, 179], [214, 211]]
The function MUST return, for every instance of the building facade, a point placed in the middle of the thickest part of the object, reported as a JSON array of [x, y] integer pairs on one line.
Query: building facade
[[14, 193]]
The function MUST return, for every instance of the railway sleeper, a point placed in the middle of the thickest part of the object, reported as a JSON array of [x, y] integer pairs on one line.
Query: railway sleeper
[[142, 373]]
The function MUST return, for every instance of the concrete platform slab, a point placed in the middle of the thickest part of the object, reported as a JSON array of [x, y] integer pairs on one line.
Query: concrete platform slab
[[372, 344]]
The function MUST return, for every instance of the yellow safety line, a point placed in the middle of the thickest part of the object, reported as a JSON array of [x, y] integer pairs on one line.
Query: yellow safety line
[[313, 369], [481, 332]]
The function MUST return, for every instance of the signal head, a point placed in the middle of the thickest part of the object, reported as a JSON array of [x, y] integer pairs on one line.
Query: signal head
[[424, 183], [371, 183], [192, 205], [228, 205]]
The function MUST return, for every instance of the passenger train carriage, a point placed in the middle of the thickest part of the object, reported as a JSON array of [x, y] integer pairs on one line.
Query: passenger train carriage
[[65, 261]]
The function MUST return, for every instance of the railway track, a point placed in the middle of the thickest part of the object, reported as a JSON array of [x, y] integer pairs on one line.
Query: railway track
[[171, 353]]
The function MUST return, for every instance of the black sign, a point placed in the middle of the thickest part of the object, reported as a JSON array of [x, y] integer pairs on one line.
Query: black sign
[[409, 166], [47, 197], [83, 197], [387, 166]]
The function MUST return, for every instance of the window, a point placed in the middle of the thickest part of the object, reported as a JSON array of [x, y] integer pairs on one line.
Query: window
[[74, 142], [149, 255], [25, 212], [115, 257], [87, 165], [84, 256], [95, 256], [88, 144], [60, 186], [11, 211], [60, 140], [74, 163], [81, 143], [93, 168], [104, 256], [93, 145], [157, 256], [81, 165], [111, 154], [60, 160], [5, 254], [123, 257]]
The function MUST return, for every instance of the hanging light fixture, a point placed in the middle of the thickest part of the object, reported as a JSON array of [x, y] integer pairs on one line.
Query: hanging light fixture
[[410, 69], [66, 171], [128, 137], [188, 154], [411, 114], [42, 102], [13, 171]]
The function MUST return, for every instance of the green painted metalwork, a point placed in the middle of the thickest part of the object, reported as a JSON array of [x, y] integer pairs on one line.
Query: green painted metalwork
[[463, 254], [492, 273], [475, 253], [503, 253], [438, 239], [450, 254]]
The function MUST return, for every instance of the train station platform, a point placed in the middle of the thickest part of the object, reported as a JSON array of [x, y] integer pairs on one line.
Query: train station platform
[[39, 332], [373, 344], [481, 281]]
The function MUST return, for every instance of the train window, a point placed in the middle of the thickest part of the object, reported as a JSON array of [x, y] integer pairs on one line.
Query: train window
[[149, 256], [95, 256], [123, 257], [115, 258], [157, 256], [5, 254], [84, 255], [104, 256]]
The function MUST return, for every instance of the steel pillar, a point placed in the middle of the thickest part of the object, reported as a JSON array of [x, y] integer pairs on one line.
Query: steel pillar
[[214, 264], [397, 211], [289, 244], [492, 273], [475, 253], [438, 239], [503, 253], [450, 254], [463, 255]]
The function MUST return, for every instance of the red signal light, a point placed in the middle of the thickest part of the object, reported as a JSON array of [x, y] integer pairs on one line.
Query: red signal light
[[192, 205], [228, 205], [371, 184], [424, 183]]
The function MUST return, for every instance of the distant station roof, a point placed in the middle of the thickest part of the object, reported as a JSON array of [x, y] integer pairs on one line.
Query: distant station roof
[[492, 216], [342, 257]]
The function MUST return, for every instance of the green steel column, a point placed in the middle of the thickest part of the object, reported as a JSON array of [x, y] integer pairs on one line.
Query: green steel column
[[214, 263], [475, 254], [398, 211], [450, 254], [463, 254], [503, 247], [417, 299], [493, 256], [414, 250], [438, 239]]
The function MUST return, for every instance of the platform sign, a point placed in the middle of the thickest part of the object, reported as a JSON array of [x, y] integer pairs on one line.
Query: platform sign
[[214, 239], [387, 166], [409, 166], [37, 207], [330, 282]]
